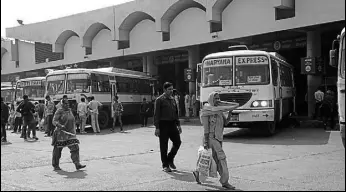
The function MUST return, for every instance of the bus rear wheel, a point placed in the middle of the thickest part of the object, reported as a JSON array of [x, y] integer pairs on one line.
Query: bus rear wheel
[[103, 119]]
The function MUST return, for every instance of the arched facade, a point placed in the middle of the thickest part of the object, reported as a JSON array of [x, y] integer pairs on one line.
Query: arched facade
[[123, 33], [58, 46], [172, 12], [91, 32]]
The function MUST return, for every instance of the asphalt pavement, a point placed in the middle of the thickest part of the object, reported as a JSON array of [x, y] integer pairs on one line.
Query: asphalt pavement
[[294, 159]]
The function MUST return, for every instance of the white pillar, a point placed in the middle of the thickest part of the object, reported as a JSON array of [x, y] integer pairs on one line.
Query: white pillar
[[145, 67], [193, 61], [313, 50], [151, 68]]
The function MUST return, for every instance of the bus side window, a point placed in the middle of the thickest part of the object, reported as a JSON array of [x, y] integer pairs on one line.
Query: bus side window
[[275, 71]]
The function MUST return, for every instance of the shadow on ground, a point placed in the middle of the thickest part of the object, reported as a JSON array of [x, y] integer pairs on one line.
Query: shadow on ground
[[73, 175], [284, 136]]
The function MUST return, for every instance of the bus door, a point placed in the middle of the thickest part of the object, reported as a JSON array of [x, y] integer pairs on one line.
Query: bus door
[[114, 92], [277, 89]]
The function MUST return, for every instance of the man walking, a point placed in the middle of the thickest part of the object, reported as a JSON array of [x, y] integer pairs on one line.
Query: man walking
[[49, 112], [144, 112], [4, 119], [118, 110], [93, 106], [83, 114], [167, 125], [27, 109]]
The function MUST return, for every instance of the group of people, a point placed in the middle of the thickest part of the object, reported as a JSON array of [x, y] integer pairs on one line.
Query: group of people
[[326, 107], [191, 104], [166, 121]]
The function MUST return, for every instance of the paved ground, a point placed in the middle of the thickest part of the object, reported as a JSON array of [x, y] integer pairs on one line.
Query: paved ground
[[294, 159]]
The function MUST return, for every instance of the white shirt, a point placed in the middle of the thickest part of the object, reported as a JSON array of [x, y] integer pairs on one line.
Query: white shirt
[[319, 96]]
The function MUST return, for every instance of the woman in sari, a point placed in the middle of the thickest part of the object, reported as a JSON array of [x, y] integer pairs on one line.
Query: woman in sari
[[65, 136], [213, 121]]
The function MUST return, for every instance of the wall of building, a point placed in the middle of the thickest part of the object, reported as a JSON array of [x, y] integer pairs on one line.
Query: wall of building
[[241, 18]]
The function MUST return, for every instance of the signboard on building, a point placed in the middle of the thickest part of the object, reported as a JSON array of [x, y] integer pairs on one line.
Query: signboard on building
[[189, 75], [312, 66]]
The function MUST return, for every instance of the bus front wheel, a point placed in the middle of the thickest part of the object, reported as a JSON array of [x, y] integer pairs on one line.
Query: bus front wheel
[[103, 119], [270, 128]]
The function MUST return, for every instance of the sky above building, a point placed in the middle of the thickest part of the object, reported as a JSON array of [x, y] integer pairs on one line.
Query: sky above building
[[34, 11]]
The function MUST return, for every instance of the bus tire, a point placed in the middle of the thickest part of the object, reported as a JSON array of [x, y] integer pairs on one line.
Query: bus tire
[[270, 128], [103, 119]]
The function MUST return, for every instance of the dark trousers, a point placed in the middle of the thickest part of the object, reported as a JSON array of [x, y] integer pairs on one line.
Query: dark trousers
[[18, 124], [74, 150], [144, 119], [27, 127], [3, 131], [50, 128], [168, 130], [317, 114]]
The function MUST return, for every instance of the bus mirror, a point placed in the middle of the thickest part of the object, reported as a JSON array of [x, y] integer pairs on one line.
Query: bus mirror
[[88, 83], [333, 58]]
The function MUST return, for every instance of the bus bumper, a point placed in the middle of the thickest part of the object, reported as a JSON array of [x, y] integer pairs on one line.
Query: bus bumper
[[263, 115]]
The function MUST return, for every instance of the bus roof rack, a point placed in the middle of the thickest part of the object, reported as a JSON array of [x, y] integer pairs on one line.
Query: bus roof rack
[[237, 47], [278, 56], [119, 70]]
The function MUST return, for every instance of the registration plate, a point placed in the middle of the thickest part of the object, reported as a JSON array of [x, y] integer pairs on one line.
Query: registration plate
[[234, 117]]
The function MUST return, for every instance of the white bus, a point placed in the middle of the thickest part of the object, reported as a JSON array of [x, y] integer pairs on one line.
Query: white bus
[[33, 87], [337, 59], [261, 82], [7, 92], [104, 83]]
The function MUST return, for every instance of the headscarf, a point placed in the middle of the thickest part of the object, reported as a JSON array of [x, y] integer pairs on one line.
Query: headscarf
[[211, 109]]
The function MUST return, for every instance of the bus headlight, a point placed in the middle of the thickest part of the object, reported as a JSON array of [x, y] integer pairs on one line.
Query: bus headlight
[[262, 103], [255, 104]]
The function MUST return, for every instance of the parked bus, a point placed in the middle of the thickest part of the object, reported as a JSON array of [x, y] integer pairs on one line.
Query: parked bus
[[104, 83], [7, 92], [33, 87], [6, 84], [261, 82], [337, 59]]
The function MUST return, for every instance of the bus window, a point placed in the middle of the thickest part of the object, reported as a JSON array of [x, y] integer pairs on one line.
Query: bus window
[[100, 83], [55, 84], [286, 76], [275, 71], [215, 76], [78, 83], [252, 72]]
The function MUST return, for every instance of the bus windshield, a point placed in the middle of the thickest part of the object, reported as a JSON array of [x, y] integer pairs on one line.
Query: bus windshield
[[218, 72], [342, 64], [32, 88], [55, 84], [78, 83], [33, 91], [252, 70]]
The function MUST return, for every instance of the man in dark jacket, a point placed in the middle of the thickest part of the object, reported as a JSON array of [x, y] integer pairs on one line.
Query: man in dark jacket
[[4, 119], [27, 109]]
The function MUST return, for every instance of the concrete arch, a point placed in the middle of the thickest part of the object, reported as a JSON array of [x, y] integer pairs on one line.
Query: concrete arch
[[130, 22], [91, 32], [59, 44], [3, 51], [215, 14], [174, 10]]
